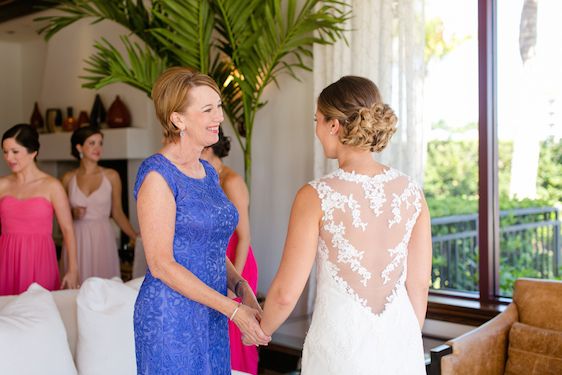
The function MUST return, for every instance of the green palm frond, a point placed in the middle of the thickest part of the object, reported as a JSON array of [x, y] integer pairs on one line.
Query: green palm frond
[[108, 66], [223, 73], [288, 37], [185, 32], [269, 39], [243, 44], [232, 21], [133, 15]]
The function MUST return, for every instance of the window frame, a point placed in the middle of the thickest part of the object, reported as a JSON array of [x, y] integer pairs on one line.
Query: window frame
[[468, 308]]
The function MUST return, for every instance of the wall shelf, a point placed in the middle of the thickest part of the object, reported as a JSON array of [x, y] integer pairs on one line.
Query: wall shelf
[[119, 143]]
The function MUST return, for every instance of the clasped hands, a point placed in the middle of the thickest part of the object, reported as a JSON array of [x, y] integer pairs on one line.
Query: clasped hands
[[248, 319]]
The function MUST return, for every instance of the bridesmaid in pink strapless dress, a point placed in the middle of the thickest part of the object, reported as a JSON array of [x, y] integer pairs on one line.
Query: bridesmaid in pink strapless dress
[[95, 237], [27, 250], [29, 199]]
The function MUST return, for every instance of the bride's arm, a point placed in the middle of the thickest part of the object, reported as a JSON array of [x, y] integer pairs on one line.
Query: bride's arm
[[419, 264], [296, 263]]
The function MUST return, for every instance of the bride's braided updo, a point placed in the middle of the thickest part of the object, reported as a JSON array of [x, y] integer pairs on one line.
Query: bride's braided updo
[[365, 121]]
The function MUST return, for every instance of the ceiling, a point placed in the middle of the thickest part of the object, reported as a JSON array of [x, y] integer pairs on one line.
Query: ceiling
[[17, 20]]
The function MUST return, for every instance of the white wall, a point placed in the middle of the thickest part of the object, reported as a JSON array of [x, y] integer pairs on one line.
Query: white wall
[[64, 63], [282, 163], [32, 70], [282, 146], [32, 65], [10, 89]]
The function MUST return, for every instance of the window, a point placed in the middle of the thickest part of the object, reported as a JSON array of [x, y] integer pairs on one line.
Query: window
[[529, 102], [493, 177], [451, 116]]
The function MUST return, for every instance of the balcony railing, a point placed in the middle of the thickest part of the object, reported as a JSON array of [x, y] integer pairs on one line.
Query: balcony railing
[[529, 246]]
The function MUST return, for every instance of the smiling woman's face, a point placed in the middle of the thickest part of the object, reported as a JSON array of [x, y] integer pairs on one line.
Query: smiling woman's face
[[92, 147], [203, 116]]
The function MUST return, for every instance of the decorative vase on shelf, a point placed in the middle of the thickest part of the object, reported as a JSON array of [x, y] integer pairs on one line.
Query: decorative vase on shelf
[[69, 123], [36, 120], [54, 120], [118, 115], [83, 120], [97, 114]]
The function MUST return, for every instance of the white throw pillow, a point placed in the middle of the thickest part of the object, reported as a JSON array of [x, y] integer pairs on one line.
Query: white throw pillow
[[32, 336], [135, 283], [106, 343]]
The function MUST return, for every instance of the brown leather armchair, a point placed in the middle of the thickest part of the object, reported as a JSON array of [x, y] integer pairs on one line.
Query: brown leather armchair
[[484, 350]]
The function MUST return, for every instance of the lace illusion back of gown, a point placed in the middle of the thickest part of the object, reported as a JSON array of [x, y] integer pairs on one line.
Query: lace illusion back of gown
[[362, 303]]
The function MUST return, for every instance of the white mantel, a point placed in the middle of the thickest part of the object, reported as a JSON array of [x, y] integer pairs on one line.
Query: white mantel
[[120, 143]]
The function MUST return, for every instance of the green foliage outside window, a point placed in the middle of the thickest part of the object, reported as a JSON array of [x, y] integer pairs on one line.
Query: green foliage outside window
[[451, 188]]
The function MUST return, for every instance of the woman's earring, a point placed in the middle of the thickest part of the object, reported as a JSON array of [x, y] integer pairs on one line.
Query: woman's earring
[[182, 133], [80, 154]]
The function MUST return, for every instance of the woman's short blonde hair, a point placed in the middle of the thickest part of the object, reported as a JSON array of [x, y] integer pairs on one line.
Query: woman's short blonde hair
[[170, 94], [366, 122]]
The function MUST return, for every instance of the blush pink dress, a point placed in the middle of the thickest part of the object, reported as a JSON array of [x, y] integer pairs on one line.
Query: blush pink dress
[[243, 358], [95, 238], [27, 249]]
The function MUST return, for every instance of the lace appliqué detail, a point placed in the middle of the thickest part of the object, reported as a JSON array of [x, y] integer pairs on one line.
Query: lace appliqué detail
[[397, 201], [347, 253], [372, 186], [333, 271], [400, 252]]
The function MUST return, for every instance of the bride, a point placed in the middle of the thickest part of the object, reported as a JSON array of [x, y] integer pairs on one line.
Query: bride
[[368, 227]]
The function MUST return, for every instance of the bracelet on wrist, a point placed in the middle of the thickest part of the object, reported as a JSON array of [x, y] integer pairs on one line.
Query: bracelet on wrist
[[234, 312]]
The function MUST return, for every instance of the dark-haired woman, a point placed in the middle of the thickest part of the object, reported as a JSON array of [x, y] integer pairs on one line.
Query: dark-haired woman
[[95, 196], [243, 358], [28, 199]]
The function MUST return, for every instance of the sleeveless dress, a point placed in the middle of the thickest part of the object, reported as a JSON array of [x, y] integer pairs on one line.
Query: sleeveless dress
[[27, 249], [95, 238], [173, 334], [243, 358], [363, 321]]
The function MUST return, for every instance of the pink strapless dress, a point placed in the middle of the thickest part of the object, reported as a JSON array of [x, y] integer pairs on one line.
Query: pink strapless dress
[[243, 358], [27, 249], [95, 238]]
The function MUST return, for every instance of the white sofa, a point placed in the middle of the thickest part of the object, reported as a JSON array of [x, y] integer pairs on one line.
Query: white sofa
[[86, 331]]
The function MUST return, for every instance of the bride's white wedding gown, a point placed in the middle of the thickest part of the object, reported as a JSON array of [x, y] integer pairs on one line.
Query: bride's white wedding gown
[[363, 321]]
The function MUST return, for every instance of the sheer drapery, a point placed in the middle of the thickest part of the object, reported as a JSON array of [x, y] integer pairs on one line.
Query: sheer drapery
[[385, 43]]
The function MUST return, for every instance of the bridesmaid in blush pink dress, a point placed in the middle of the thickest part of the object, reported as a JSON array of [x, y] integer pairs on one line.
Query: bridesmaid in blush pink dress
[[243, 358], [95, 237], [28, 200], [95, 196]]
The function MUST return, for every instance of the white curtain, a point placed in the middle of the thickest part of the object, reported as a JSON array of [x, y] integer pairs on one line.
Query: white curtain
[[385, 43]]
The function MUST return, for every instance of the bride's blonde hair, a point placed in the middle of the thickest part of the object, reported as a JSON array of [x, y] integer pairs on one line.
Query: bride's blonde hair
[[367, 123]]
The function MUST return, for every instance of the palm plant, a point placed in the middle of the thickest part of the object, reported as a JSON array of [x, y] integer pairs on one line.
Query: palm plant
[[243, 44]]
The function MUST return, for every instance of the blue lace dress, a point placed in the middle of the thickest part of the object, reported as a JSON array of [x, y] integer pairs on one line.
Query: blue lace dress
[[173, 334]]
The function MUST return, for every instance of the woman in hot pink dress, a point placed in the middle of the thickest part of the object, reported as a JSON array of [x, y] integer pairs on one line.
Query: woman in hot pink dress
[[28, 200], [95, 196], [243, 358]]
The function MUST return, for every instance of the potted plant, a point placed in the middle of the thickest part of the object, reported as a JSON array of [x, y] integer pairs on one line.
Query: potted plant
[[243, 44]]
